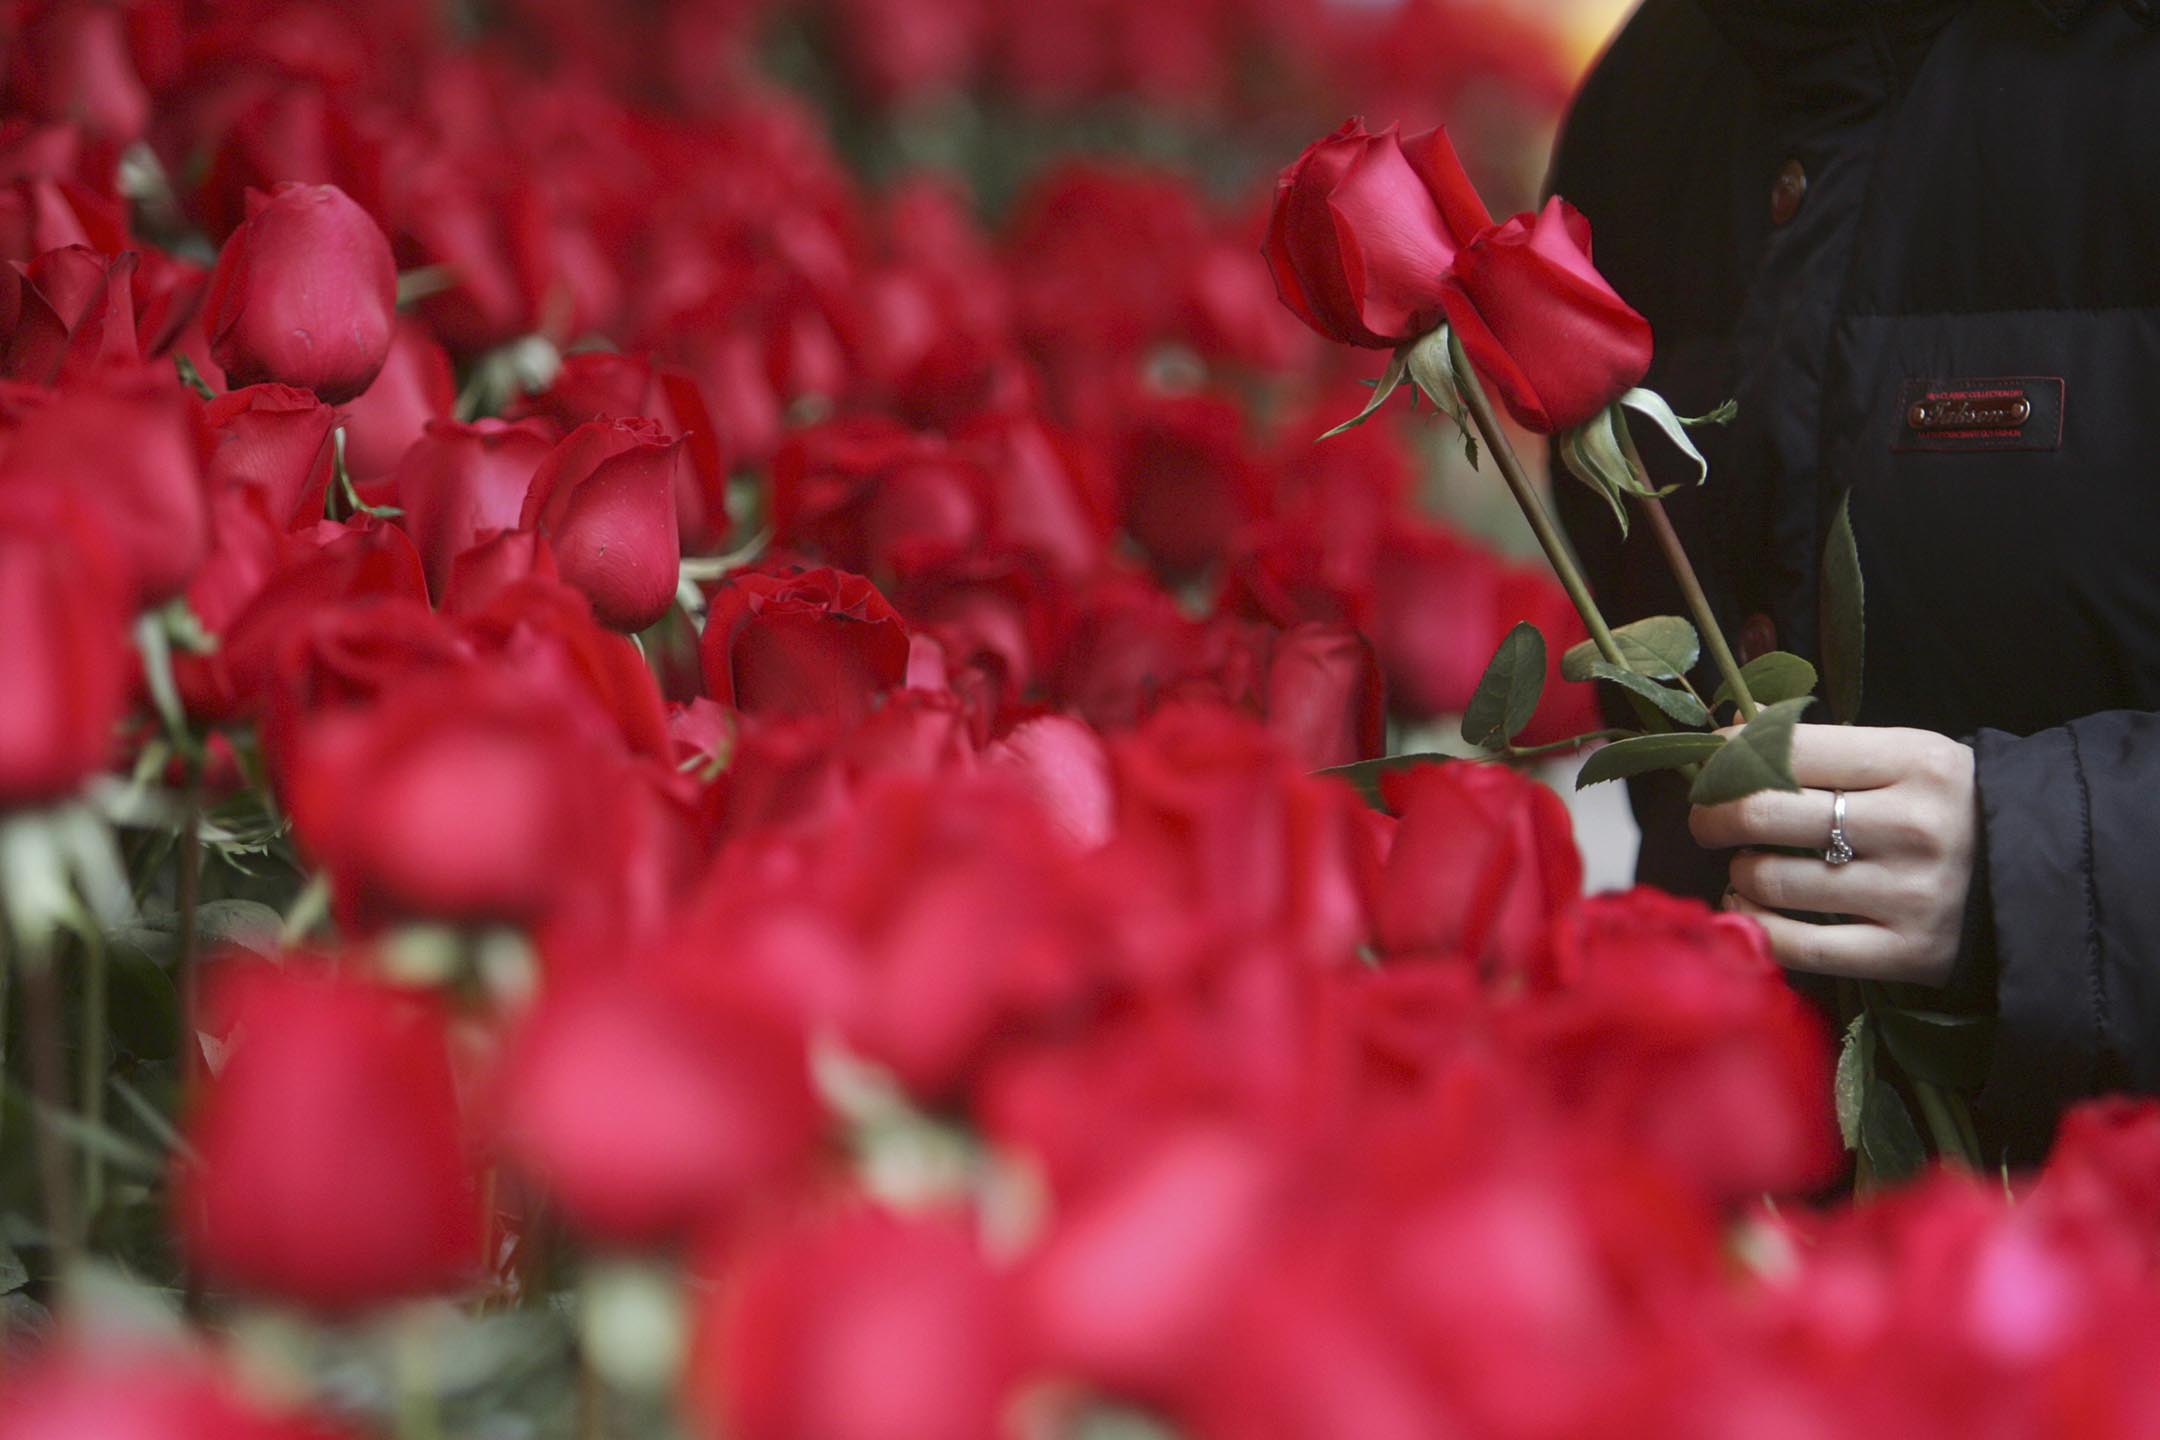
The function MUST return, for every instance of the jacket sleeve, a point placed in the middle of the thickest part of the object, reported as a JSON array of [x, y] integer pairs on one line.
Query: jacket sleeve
[[2071, 839]]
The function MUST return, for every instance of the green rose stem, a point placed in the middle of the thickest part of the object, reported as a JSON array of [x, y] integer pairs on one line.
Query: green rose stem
[[189, 886], [90, 1082], [42, 1021], [1676, 557], [1526, 496]]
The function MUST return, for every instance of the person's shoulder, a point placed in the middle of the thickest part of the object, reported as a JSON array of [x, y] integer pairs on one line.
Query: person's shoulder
[[1666, 75]]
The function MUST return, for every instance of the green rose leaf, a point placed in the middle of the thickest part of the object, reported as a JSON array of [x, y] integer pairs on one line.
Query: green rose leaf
[[1680, 705], [1758, 758], [1662, 647], [1507, 694], [1844, 617], [1888, 1137], [1855, 1069], [1364, 776], [1779, 675], [1645, 753], [1397, 367], [1943, 1049]]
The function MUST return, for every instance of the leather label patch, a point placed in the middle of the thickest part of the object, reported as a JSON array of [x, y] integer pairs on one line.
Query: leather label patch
[[2019, 412]]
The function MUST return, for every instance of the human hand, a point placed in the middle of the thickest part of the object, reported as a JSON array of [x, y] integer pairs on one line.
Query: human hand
[[1910, 817]]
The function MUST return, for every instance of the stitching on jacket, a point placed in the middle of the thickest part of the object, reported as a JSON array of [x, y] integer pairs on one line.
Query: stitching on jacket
[[2095, 974]]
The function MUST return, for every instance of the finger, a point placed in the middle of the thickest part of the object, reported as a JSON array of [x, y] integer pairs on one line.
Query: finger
[[1783, 817], [1796, 882], [1859, 950], [1848, 757]]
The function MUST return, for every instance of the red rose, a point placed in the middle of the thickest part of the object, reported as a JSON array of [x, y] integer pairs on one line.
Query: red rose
[[1666, 1026], [648, 1113], [605, 498], [1541, 325], [872, 496], [1188, 479], [1482, 862], [73, 62], [593, 384], [305, 293], [276, 439], [459, 483], [464, 795], [814, 642], [865, 1327], [130, 446], [1364, 229], [93, 1390], [328, 1163], [1324, 696], [1436, 617], [66, 665], [416, 386]]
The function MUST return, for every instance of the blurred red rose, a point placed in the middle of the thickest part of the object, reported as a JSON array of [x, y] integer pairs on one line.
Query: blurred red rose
[[859, 1327], [1187, 479], [67, 666], [810, 642], [1483, 860], [651, 1110], [1324, 697], [1667, 1026], [72, 61], [459, 483], [415, 386], [1436, 616], [328, 1166], [605, 498], [130, 445], [1543, 328], [85, 1390], [1364, 230], [305, 294], [481, 572], [465, 795]]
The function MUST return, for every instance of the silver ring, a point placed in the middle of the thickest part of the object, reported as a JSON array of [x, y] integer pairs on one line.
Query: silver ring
[[1839, 851]]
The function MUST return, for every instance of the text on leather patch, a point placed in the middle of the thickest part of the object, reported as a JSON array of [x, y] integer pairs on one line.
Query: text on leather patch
[[2023, 412]]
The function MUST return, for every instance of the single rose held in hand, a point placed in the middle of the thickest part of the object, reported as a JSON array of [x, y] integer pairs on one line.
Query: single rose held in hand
[[656, 781]]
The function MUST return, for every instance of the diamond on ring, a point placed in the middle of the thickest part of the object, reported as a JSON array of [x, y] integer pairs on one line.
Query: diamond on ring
[[1840, 849]]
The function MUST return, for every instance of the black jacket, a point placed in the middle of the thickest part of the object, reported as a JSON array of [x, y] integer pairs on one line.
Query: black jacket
[[1959, 322]]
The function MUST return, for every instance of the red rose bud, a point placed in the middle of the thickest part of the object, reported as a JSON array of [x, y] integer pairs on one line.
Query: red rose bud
[[1541, 325], [816, 642], [1364, 229], [329, 1166], [595, 384], [459, 483], [605, 498], [864, 1328], [92, 1391], [276, 439], [1482, 862], [305, 293], [66, 663], [648, 1114]]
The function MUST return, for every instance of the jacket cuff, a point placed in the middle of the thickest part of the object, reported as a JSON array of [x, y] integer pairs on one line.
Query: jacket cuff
[[2035, 811]]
